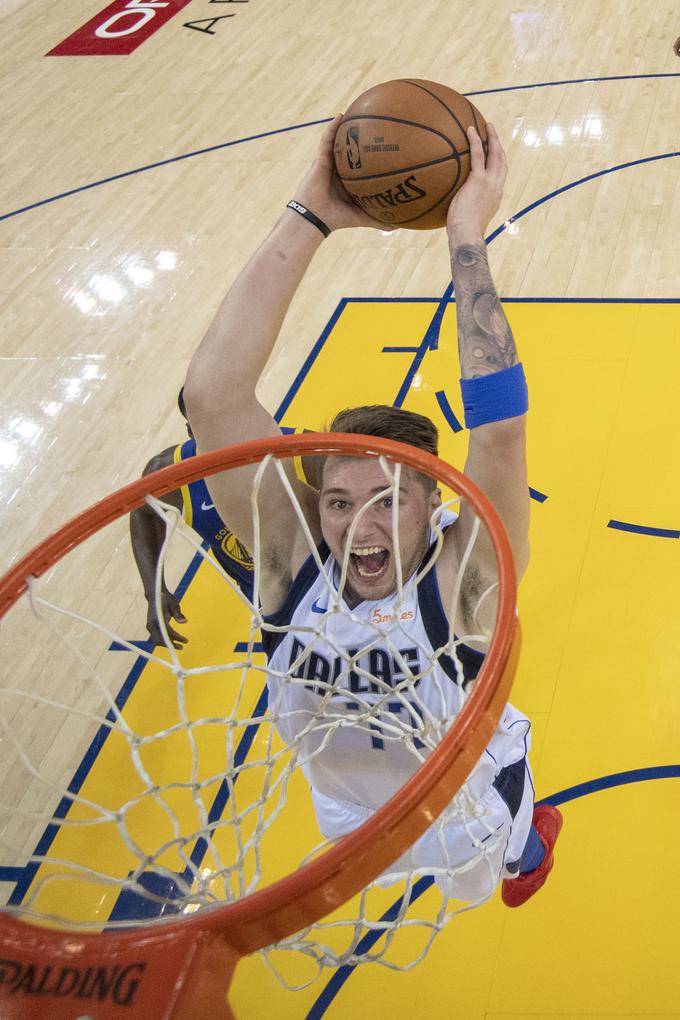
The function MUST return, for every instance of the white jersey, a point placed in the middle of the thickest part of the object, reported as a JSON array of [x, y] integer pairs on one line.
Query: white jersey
[[374, 694]]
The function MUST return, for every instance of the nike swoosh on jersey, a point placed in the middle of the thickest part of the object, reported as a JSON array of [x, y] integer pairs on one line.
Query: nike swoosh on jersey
[[207, 506], [318, 609]]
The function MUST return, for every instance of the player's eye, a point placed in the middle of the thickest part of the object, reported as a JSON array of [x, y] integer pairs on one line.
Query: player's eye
[[387, 502]]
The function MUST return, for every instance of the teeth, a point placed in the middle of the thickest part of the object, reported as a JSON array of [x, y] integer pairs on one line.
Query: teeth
[[368, 550]]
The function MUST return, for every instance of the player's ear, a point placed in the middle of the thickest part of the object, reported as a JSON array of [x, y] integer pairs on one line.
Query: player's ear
[[435, 499]]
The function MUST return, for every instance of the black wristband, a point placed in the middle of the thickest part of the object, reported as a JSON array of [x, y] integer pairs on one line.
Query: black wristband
[[319, 224]]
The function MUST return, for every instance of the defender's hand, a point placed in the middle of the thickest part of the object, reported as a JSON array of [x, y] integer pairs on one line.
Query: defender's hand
[[171, 609], [478, 201], [321, 191]]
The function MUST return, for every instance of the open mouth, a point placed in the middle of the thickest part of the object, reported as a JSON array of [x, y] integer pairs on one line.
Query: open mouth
[[370, 562]]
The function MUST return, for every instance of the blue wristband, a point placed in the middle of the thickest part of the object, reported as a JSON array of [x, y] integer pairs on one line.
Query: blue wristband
[[495, 397]]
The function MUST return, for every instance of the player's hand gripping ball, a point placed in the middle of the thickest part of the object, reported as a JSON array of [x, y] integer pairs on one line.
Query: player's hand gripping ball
[[402, 151]]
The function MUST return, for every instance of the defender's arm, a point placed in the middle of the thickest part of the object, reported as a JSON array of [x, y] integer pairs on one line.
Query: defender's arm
[[147, 534]]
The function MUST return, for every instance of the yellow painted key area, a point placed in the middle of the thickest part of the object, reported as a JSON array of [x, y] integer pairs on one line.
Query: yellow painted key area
[[598, 674], [597, 677]]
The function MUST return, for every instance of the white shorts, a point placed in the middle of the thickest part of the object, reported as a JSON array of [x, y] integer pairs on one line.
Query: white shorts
[[467, 858]]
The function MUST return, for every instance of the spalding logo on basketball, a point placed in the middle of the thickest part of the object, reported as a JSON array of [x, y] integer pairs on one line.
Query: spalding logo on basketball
[[402, 151]]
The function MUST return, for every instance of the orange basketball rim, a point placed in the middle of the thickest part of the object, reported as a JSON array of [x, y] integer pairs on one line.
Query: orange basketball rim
[[182, 968]]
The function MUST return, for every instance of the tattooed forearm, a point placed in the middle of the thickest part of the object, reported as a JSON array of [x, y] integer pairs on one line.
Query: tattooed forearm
[[485, 340]]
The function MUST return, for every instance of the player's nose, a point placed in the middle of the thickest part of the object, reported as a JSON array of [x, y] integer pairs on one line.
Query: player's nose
[[368, 533]]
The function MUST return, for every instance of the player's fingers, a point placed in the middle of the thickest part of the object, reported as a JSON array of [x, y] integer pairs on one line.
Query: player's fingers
[[328, 137], [496, 161], [155, 636], [496, 155], [172, 609], [476, 150], [177, 639], [174, 614]]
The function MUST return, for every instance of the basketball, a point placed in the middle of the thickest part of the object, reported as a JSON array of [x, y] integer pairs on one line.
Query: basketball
[[402, 151]]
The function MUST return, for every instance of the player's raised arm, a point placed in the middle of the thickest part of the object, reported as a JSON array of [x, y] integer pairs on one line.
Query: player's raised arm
[[494, 390], [220, 387]]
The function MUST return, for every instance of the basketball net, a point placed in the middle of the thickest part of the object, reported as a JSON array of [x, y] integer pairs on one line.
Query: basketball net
[[199, 793]]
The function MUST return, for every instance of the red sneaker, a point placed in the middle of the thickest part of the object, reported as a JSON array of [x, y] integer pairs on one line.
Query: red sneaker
[[516, 891]]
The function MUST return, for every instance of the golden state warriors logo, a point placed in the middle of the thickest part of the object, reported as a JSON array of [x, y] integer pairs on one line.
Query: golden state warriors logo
[[235, 550]]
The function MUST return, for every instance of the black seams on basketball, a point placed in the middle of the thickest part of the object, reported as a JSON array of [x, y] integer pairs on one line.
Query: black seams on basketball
[[402, 151]]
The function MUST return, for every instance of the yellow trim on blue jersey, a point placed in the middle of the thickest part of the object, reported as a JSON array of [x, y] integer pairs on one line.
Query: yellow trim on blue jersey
[[187, 511], [297, 461]]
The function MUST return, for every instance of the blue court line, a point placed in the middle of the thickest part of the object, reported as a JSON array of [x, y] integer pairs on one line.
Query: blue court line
[[143, 644], [430, 342], [180, 592], [447, 411], [309, 361], [342, 974], [10, 874], [88, 760], [575, 184], [222, 796], [643, 529], [23, 876], [574, 81], [28, 872], [311, 123], [243, 646], [146, 646], [611, 781], [393, 300], [160, 163], [540, 497], [526, 300], [431, 339], [593, 300], [127, 906]]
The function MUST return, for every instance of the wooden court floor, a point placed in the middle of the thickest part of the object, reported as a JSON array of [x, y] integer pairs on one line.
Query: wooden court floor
[[134, 188]]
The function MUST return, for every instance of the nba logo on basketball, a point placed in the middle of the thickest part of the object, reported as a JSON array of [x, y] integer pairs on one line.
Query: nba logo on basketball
[[353, 152], [119, 29]]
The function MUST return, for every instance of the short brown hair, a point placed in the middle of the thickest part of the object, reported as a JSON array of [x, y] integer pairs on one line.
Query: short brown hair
[[388, 422]]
